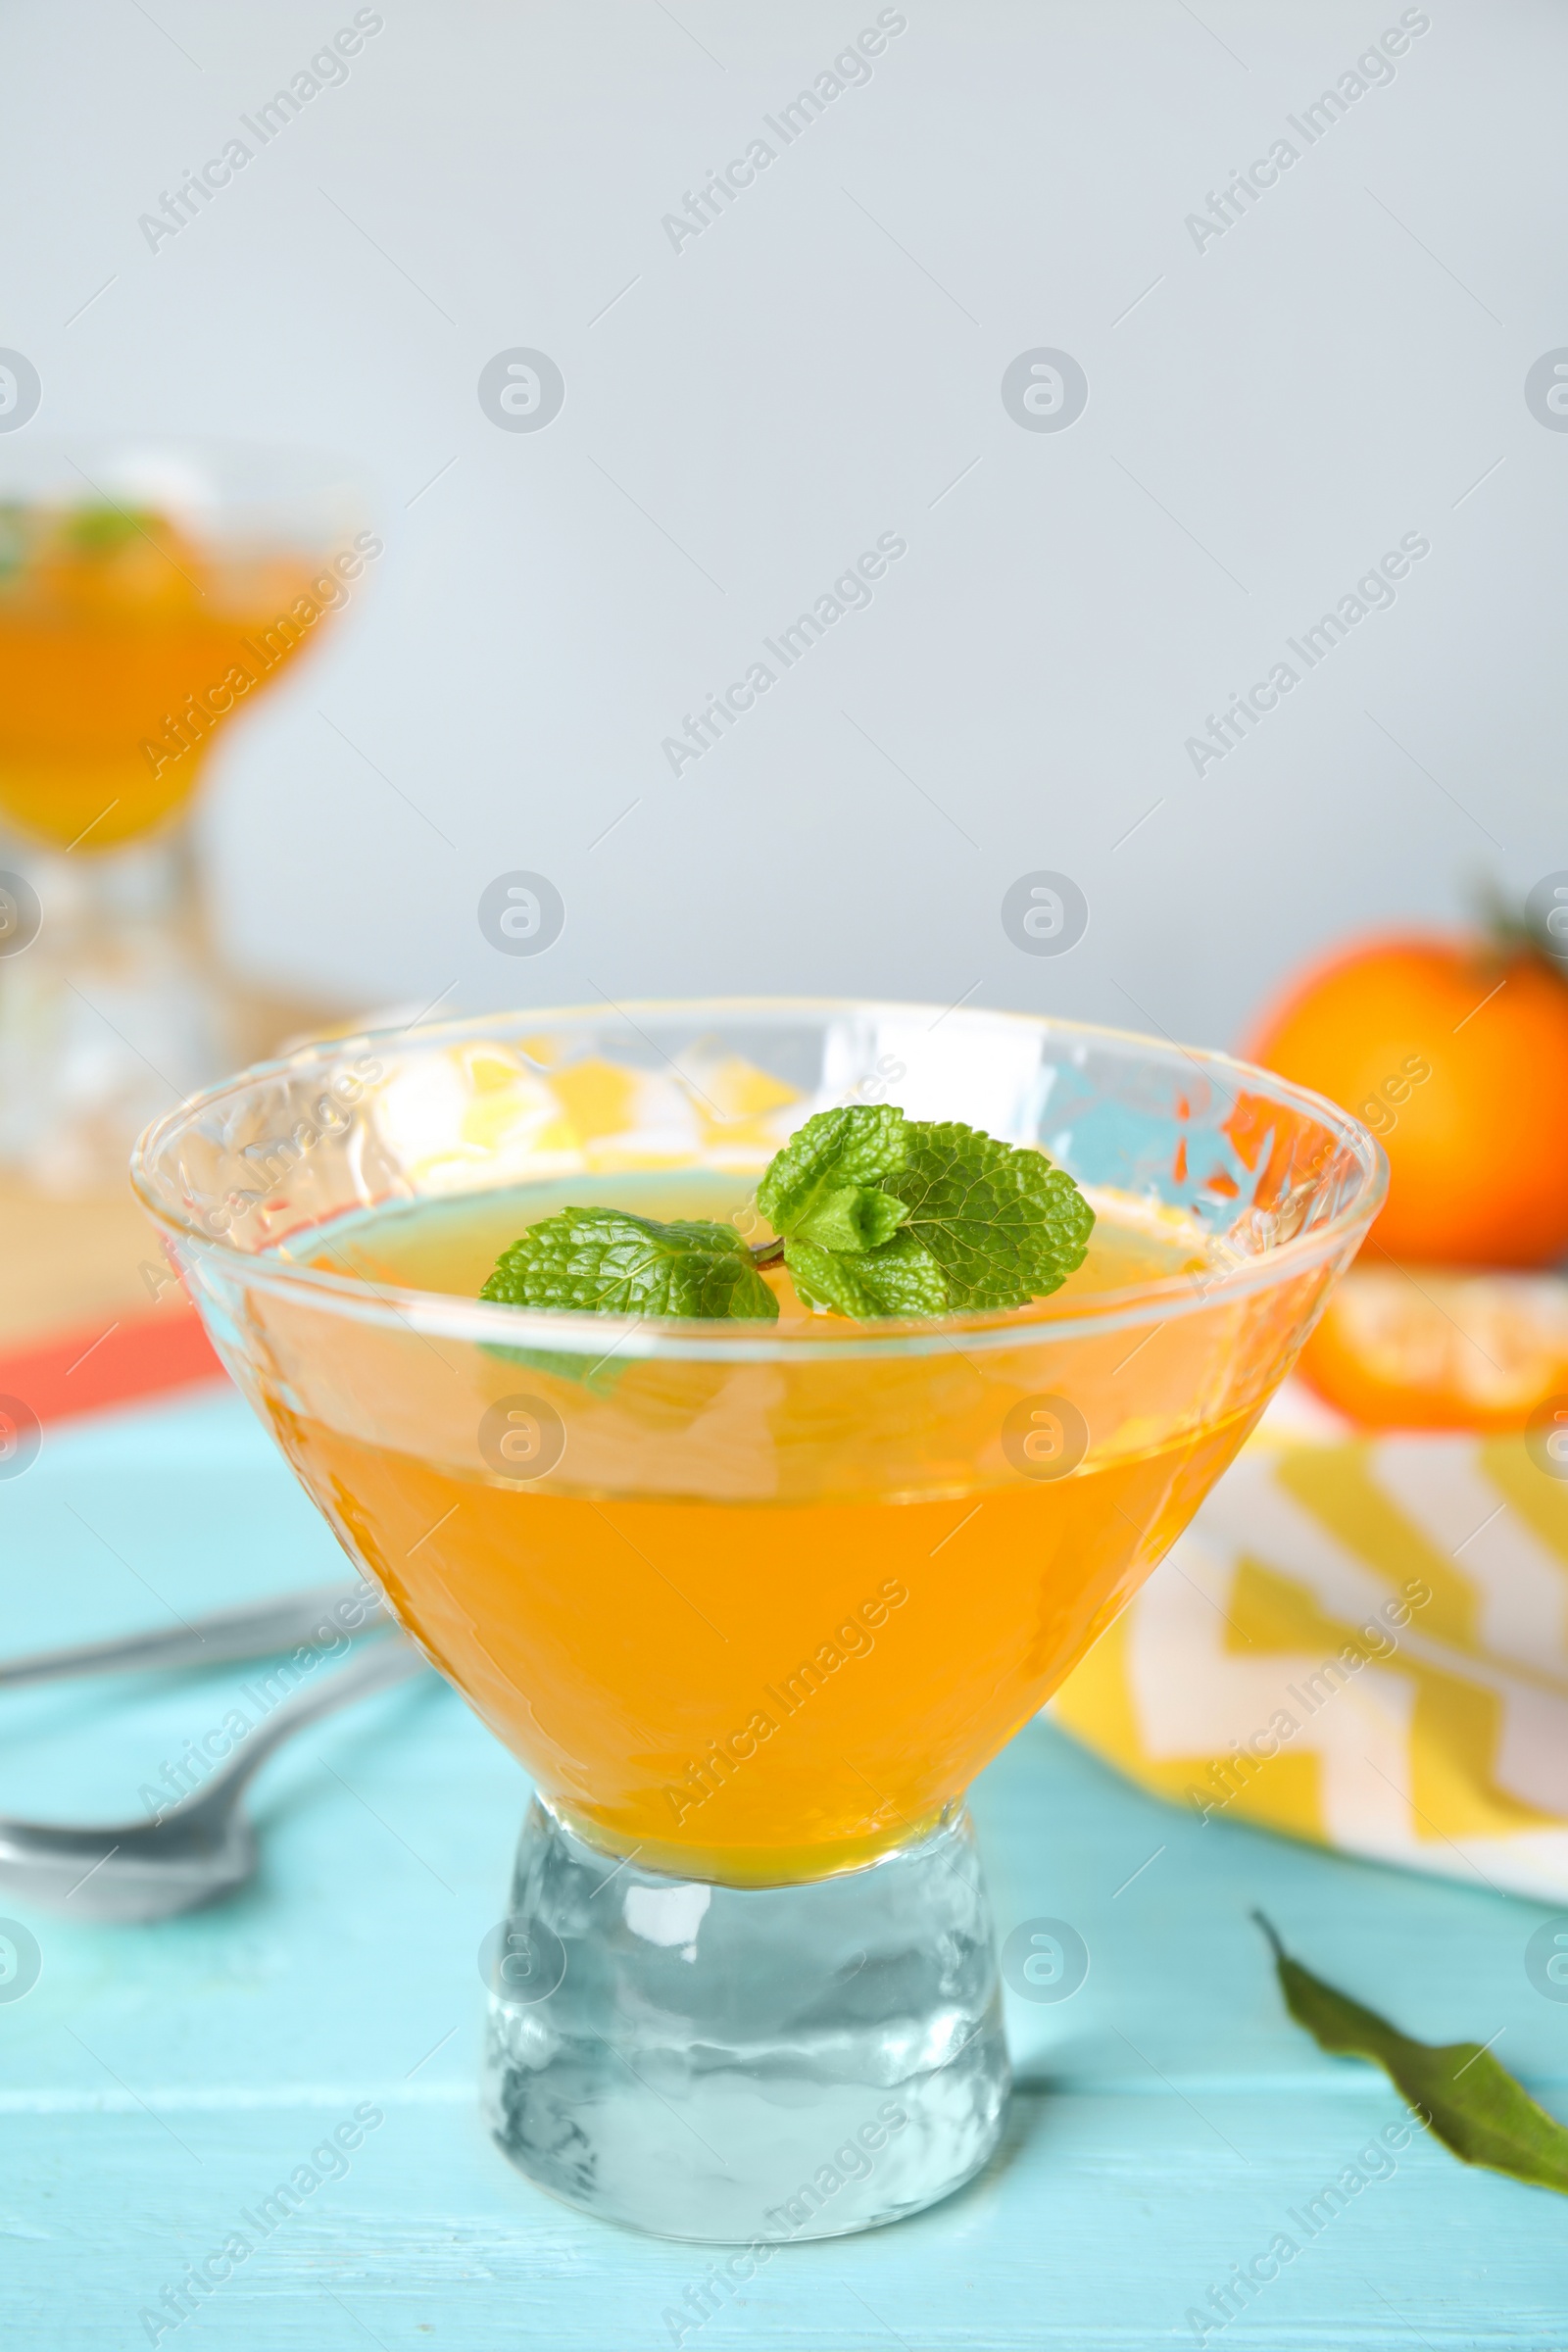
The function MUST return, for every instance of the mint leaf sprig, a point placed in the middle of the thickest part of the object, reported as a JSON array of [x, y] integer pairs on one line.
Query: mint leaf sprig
[[875, 1215], [611, 1264]]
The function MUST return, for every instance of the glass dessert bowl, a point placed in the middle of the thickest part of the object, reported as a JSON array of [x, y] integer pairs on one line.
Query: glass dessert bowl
[[149, 591], [753, 1602]]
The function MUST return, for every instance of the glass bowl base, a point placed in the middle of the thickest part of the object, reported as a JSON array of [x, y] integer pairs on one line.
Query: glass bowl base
[[745, 2065]]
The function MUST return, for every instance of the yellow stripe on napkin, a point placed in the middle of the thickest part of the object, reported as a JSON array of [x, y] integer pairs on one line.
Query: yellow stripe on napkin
[[1363, 1642]]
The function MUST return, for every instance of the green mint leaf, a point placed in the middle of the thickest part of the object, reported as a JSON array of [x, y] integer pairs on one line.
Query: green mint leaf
[[979, 1224], [1473, 2104], [1004, 1225], [899, 1278], [854, 1217], [835, 1151], [95, 530], [604, 1261], [879, 1216]]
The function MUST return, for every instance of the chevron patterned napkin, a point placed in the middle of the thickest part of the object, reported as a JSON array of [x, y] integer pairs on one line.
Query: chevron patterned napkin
[[1361, 1641]]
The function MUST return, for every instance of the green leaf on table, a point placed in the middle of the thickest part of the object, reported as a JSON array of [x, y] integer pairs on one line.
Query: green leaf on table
[[1472, 2103], [604, 1261]]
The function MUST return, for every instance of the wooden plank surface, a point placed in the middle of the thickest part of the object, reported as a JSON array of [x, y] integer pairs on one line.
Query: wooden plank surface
[[156, 2083], [70, 1261]]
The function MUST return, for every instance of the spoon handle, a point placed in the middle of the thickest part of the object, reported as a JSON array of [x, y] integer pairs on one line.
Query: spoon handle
[[378, 1667], [252, 1632]]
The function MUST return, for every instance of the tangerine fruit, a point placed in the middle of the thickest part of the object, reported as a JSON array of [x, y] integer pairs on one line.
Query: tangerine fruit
[[1454, 1051], [1403, 1348]]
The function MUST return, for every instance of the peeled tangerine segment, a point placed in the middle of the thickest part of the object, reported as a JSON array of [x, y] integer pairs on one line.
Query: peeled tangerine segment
[[1424, 1348]]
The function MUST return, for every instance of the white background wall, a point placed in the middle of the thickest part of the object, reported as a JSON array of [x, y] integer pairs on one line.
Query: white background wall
[[1338, 368]]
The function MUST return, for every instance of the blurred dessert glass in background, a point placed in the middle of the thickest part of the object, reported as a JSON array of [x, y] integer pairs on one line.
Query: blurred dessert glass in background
[[148, 592]]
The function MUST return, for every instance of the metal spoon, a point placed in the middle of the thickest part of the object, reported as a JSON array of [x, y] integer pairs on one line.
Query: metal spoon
[[256, 1629], [204, 1847]]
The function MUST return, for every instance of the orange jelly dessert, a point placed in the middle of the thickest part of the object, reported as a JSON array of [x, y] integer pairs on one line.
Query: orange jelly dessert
[[746, 1668]]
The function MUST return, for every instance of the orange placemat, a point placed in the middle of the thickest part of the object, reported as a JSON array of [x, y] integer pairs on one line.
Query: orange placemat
[[94, 1365]]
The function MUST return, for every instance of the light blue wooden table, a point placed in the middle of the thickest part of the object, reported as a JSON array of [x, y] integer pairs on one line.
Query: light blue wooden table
[[157, 2082]]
